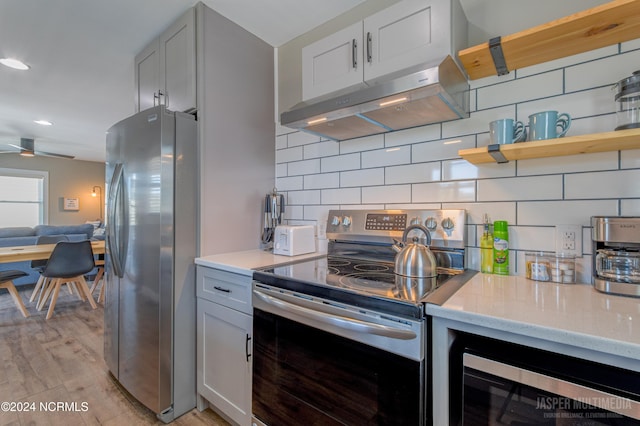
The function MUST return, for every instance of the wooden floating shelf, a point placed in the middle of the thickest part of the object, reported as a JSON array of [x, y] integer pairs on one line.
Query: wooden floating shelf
[[604, 25], [582, 144]]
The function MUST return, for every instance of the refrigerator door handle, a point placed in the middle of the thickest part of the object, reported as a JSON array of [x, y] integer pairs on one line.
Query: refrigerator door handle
[[114, 228]]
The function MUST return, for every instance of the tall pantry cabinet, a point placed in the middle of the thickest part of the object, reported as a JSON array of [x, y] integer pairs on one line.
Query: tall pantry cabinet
[[234, 106]]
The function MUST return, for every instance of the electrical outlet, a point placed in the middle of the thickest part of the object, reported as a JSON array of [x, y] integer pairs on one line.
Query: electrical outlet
[[569, 239]]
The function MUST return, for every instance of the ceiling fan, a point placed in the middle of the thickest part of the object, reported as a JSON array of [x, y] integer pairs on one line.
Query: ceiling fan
[[27, 149]]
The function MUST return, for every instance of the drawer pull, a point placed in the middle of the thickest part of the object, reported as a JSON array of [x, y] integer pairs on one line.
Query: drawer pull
[[226, 290]]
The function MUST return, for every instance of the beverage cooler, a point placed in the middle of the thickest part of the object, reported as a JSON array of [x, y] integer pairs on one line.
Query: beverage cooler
[[500, 383]]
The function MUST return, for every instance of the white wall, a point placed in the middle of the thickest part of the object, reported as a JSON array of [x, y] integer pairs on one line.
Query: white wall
[[419, 167]]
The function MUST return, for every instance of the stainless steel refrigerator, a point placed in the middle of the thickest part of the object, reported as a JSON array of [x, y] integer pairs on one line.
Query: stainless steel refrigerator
[[149, 313]]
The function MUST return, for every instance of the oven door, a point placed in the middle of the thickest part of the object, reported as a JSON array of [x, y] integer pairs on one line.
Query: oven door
[[319, 366]]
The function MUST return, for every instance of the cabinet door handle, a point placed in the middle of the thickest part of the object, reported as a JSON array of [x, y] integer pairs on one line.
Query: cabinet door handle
[[246, 347], [354, 53], [155, 97], [226, 290], [369, 46]]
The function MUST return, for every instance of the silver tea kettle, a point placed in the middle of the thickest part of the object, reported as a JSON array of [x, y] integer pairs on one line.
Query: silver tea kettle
[[415, 259]]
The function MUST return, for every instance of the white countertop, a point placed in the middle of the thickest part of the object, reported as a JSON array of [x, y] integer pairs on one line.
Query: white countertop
[[573, 314], [244, 262]]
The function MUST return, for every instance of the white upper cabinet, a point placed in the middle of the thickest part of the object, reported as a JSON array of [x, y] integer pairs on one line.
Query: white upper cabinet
[[147, 76], [400, 38], [404, 35], [333, 63], [165, 71]]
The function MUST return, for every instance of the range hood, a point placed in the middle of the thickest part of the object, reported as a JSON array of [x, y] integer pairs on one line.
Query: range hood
[[433, 95]]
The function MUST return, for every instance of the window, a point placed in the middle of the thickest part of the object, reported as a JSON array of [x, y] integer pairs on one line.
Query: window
[[23, 197]]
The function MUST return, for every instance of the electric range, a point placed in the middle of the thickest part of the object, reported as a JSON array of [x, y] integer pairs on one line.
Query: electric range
[[359, 267], [345, 327]]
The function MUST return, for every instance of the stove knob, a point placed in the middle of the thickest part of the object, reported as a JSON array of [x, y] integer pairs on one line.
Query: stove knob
[[431, 223], [336, 221], [447, 223], [416, 221], [346, 221]]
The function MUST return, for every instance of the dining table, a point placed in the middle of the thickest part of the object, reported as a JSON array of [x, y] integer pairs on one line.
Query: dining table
[[38, 251]]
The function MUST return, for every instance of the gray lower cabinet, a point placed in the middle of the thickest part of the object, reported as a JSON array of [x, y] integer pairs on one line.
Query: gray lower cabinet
[[224, 343]]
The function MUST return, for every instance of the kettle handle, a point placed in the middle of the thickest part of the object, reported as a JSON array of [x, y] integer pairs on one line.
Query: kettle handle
[[416, 226]]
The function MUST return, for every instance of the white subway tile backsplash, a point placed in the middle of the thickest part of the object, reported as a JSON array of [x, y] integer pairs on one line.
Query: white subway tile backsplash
[[386, 157], [318, 214], [410, 206], [340, 196], [590, 125], [462, 169], [293, 212], [603, 72], [520, 188], [534, 87], [568, 164], [495, 211], [581, 104], [473, 101], [444, 192], [306, 167], [366, 177], [630, 159], [321, 149], [491, 80], [386, 194], [301, 138], [618, 184], [289, 183], [321, 181], [630, 45], [420, 167], [551, 213], [340, 162], [303, 197], [568, 61], [478, 122], [412, 173], [366, 143], [414, 135], [630, 207], [282, 130], [288, 154], [441, 150], [532, 238]]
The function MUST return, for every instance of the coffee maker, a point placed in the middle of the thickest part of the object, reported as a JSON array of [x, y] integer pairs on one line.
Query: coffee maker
[[616, 254]]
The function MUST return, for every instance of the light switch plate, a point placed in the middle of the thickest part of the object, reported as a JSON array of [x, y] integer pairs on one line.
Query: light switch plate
[[569, 239]]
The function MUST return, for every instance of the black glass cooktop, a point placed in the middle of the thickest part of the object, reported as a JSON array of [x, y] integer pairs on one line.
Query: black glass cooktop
[[358, 282]]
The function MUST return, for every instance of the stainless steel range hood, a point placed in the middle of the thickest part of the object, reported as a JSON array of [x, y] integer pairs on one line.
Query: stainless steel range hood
[[436, 94]]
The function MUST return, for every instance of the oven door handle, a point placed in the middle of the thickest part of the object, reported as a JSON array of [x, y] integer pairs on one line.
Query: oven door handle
[[345, 323]]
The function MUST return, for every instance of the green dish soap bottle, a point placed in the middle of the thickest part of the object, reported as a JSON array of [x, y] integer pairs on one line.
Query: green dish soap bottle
[[486, 248], [500, 248]]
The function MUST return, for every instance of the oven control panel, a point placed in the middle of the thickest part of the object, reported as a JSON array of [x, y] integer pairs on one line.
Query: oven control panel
[[447, 227], [386, 222]]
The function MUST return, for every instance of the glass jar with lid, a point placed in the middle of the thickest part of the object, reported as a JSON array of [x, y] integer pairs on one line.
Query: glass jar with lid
[[627, 100]]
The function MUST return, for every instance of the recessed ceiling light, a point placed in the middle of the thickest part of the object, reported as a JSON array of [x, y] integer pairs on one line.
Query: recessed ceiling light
[[14, 63], [43, 122]]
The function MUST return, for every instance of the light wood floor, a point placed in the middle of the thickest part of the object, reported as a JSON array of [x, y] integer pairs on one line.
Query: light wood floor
[[60, 360]]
